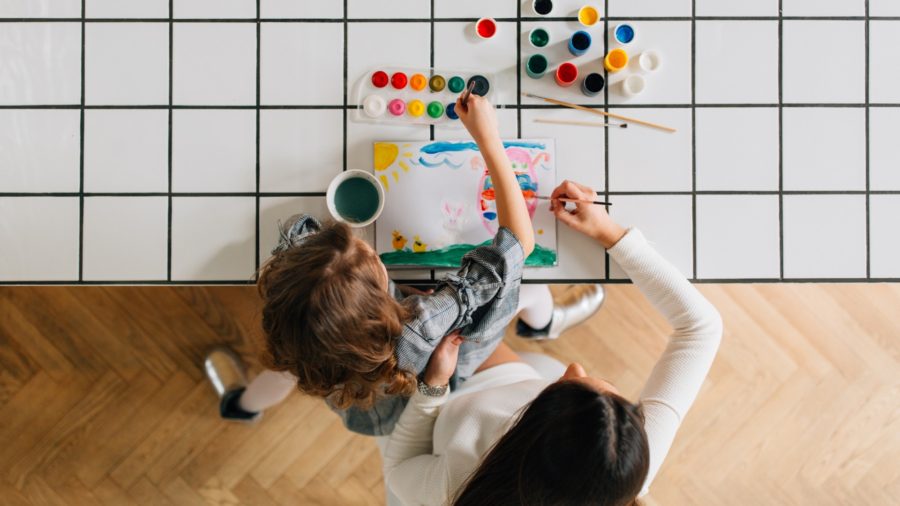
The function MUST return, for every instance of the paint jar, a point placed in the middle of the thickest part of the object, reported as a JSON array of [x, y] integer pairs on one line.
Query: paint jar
[[539, 37], [615, 60], [435, 109], [397, 107], [633, 85], [536, 66], [566, 74], [579, 43], [588, 15], [624, 33], [451, 111], [380, 79], [374, 106], [650, 61], [355, 197], [486, 28], [592, 84], [398, 80], [456, 84], [482, 85], [542, 7], [418, 82], [415, 108]]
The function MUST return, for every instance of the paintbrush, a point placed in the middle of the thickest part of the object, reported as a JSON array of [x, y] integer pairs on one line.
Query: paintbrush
[[580, 123], [601, 113], [566, 199], [465, 96]]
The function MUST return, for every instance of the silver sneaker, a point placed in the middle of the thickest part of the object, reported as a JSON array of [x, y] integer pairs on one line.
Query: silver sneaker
[[225, 372], [576, 305]]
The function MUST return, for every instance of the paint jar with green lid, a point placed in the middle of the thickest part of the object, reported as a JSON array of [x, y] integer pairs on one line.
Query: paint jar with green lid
[[536, 66], [435, 109]]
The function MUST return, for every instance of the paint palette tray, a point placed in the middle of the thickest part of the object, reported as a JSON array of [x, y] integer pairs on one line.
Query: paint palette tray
[[419, 96]]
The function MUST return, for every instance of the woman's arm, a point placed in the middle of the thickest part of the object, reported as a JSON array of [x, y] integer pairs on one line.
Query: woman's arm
[[676, 379], [478, 115]]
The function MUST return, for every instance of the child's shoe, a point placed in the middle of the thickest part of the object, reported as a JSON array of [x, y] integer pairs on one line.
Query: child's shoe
[[226, 373], [577, 304]]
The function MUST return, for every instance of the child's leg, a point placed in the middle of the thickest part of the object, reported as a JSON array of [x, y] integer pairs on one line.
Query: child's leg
[[535, 305], [266, 390]]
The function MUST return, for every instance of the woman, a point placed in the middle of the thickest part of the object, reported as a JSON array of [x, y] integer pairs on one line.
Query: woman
[[576, 441]]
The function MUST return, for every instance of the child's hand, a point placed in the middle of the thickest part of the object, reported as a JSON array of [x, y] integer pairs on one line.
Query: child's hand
[[443, 360], [478, 115], [589, 219]]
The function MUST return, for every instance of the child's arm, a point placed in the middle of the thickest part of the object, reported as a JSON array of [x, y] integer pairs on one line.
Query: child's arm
[[478, 115]]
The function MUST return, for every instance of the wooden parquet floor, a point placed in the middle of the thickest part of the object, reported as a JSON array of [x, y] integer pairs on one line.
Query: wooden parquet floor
[[104, 401]]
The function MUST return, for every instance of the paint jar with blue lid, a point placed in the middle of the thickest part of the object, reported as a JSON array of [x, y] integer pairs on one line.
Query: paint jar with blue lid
[[579, 43], [624, 33]]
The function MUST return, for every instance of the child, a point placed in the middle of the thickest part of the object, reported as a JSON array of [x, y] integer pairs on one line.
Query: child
[[336, 326]]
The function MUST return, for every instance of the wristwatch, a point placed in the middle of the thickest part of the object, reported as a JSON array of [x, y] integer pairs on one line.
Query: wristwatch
[[430, 391]]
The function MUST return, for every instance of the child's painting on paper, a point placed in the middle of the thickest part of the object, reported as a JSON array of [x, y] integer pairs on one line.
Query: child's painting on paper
[[440, 200]]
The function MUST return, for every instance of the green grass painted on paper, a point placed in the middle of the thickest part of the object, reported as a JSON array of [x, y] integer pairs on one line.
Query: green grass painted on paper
[[451, 256]]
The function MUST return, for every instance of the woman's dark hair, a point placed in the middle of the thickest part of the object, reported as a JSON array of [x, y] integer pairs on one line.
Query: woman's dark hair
[[329, 320], [573, 445]]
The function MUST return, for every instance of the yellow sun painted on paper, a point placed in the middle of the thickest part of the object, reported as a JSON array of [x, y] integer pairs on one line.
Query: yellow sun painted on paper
[[540, 231], [385, 155]]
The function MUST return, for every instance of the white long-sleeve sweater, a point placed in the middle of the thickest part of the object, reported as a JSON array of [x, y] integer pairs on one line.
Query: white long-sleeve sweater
[[439, 441]]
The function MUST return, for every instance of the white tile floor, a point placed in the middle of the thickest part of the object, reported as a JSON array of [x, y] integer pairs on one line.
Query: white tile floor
[[125, 160]]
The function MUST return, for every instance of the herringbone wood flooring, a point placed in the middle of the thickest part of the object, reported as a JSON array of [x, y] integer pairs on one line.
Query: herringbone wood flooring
[[104, 401]]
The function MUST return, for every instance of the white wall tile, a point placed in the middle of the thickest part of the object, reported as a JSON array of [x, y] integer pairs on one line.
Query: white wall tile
[[647, 159], [812, 246], [40, 238], [737, 8], [300, 150], [384, 45], [672, 82], [619, 8], [214, 9], [478, 9], [213, 238], [270, 9], [507, 122], [388, 9], [126, 63], [40, 9], [557, 52], [884, 61], [824, 148], [884, 8], [884, 150], [213, 150], [125, 238], [884, 244], [457, 47], [39, 150], [41, 63], [665, 221], [580, 151], [737, 149], [126, 150], [823, 7], [127, 9], [214, 64], [302, 64], [738, 236], [823, 61], [723, 50]]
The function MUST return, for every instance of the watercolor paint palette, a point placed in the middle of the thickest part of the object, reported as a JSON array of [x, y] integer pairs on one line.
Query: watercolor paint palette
[[420, 96]]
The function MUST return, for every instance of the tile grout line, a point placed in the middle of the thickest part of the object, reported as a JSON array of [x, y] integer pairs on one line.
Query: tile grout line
[[780, 142], [345, 109], [446, 19], [258, 92], [694, 274], [171, 79], [867, 147], [605, 130], [81, 152]]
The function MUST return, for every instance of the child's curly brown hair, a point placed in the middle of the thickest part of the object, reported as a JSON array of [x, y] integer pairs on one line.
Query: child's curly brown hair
[[329, 320]]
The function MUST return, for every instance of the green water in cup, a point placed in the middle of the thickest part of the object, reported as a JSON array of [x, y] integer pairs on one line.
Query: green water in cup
[[356, 199]]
